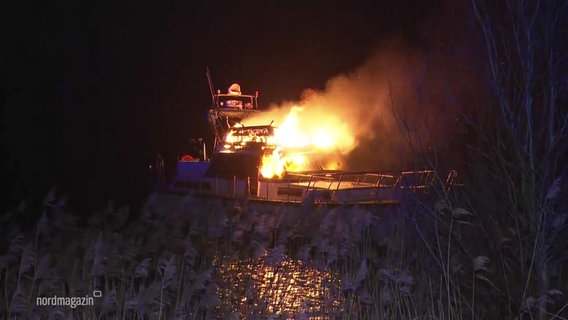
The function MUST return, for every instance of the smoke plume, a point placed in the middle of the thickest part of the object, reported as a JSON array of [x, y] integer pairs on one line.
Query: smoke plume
[[401, 103]]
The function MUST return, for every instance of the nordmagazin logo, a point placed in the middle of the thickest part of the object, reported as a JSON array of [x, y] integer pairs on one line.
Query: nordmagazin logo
[[72, 302]]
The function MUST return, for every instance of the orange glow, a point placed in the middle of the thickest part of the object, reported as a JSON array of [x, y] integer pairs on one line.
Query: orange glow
[[300, 137], [276, 163], [239, 137], [291, 287]]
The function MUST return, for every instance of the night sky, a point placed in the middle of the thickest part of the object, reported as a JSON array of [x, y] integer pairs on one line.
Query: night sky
[[90, 90]]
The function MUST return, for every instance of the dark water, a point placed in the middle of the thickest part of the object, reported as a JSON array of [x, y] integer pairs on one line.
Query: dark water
[[289, 287]]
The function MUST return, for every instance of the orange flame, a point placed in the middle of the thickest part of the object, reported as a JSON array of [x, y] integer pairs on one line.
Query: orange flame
[[298, 139]]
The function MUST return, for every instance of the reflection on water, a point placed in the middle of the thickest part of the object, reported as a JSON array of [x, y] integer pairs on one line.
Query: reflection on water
[[254, 287]]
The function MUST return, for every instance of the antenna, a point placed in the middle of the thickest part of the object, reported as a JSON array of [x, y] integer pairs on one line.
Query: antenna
[[211, 89]]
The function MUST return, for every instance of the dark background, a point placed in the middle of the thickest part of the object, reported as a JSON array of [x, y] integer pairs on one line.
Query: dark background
[[91, 90]]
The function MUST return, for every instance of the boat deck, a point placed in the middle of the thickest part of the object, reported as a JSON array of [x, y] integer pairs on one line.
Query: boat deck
[[319, 187]]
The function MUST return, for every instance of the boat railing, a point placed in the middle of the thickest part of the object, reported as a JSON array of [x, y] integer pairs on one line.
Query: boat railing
[[231, 101], [334, 186], [418, 179], [341, 180]]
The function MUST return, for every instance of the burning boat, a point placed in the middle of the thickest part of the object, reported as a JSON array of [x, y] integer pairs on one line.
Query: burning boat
[[276, 162]]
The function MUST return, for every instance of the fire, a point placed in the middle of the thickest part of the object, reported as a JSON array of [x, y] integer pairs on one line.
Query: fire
[[305, 136], [274, 164]]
